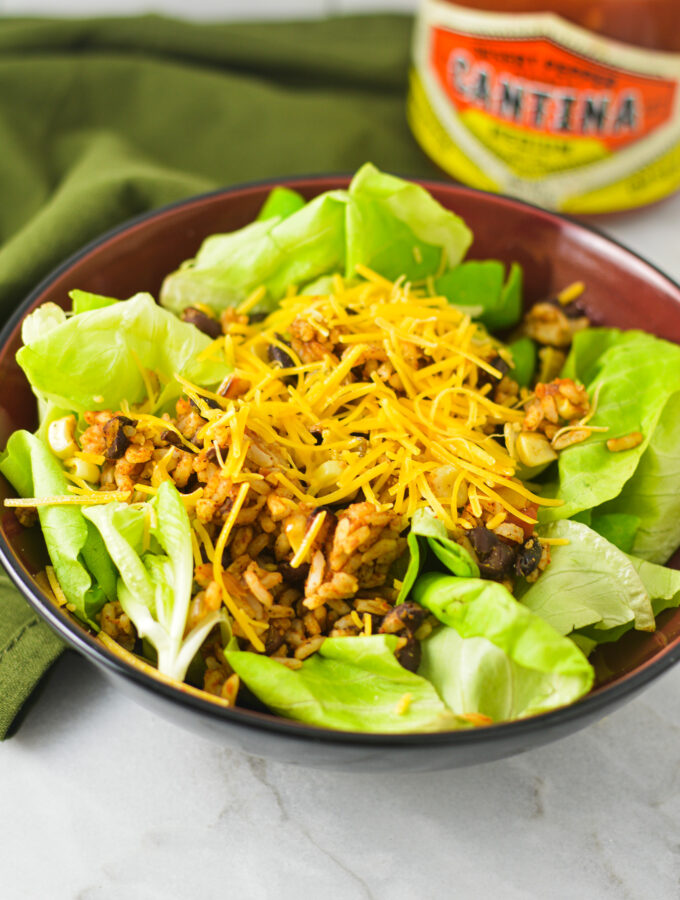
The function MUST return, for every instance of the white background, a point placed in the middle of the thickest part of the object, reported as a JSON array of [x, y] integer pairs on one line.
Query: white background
[[100, 800], [203, 9]]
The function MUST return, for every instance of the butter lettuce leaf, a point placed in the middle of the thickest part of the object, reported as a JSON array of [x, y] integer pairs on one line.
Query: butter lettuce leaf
[[386, 223], [82, 565], [352, 683], [85, 301], [619, 529], [494, 656], [484, 285], [154, 588], [652, 494], [280, 203], [589, 582], [397, 228], [93, 360], [428, 533], [274, 253], [636, 374], [663, 587]]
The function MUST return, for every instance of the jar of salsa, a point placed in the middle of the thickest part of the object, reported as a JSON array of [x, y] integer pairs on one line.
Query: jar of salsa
[[571, 104]]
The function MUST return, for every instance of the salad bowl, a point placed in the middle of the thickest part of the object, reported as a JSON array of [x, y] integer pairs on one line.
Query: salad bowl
[[623, 290]]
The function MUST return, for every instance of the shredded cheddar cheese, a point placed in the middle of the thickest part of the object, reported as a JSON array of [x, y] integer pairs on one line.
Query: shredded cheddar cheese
[[399, 410], [239, 615], [55, 586], [308, 540]]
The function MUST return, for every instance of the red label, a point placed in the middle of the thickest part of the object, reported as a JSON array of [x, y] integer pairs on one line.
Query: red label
[[539, 85]]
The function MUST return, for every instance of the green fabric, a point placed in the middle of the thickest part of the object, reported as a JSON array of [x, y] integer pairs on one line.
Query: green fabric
[[103, 119], [27, 650]]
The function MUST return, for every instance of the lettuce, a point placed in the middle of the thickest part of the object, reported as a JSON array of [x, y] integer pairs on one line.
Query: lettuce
[[352, 683], [84, 301], [588, 582], [93, 360], [636, 375], [281, 203], [652, 495], [455, 558], [523, 352], [154, 588], [398, 229], [494, 656], [620, 529], [81, 563], [273, 253], [483, 284], [41, 321], [383, 222], [662, 586]]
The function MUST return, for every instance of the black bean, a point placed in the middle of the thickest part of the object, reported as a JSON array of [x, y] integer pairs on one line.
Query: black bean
[[329, 521], [294, 576], [117, 441], [572, 310], [407, 616], [208, 401], [200, 320], [170, 437], [410, 654], [274, 636], [190, 486], [482, 540], [277, 355], [484, 377], [528, 557], [498, 563]]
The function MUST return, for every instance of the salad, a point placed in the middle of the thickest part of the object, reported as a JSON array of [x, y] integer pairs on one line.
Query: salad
[[339, 472]]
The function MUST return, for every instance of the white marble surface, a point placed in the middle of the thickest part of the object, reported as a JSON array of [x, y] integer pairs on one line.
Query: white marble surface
[[102, 800]]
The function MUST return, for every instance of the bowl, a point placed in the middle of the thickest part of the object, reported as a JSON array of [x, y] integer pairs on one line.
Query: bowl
[[623, 290]]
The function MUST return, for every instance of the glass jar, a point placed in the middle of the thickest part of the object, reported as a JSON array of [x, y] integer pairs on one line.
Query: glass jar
[[571, 104]]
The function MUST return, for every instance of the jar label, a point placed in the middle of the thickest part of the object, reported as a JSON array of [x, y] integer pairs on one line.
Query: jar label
[[531, 105]]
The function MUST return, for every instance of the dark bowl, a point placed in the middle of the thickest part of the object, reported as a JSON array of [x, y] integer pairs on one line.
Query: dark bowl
[[623, 290]]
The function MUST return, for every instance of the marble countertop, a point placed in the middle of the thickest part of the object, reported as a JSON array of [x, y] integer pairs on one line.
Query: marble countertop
[[101, 799]]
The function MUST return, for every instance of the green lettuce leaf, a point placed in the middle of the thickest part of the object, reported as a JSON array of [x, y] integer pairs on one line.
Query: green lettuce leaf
[[619, 529], [524, 355], [426, 526], [352, 683], [495, 657], [92, 360], [652, 495], [273, 253], [81, 563], [281, 203], [588, 582], [397, 228], [636, 374], [84, 301], [663, 587], [41, 321], [662, 584], [483, 284], [154, 589]]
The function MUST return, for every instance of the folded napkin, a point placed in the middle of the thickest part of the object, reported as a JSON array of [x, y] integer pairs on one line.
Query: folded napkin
[[103, 119]]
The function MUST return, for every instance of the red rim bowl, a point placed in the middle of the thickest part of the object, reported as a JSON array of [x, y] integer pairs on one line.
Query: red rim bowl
[[622, 290]]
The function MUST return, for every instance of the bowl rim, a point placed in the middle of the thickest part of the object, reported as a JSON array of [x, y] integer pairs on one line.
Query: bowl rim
[[80, 639]]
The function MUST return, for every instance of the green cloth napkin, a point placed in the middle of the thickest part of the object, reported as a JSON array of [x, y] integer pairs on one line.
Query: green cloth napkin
[[103, 119]]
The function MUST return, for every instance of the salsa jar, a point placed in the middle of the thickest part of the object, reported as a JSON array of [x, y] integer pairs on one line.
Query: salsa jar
[[571, 104]]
